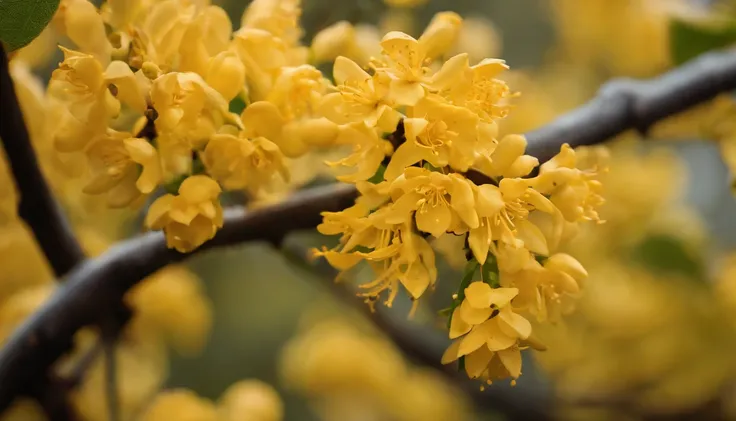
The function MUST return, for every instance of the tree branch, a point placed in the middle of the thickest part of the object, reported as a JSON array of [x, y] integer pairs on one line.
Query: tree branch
[[96, 287], [625, 104], [37, 205]]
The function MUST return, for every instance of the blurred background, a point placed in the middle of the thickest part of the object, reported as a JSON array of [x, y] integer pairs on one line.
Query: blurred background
[[654, 334]]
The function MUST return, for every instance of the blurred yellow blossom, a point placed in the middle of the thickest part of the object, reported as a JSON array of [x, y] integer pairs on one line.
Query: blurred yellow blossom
[[191, 217]]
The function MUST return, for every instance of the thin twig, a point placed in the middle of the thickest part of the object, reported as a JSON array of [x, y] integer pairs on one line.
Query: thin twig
[[98, 285], [36, 204]]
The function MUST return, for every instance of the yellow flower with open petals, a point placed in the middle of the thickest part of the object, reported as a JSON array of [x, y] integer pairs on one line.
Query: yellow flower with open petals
[[576, 192], [114, 161], [406, 66], [487, 327], [360, 97], [441, 134], [369, 151], [238, 162], [435, 200], [190, 218]]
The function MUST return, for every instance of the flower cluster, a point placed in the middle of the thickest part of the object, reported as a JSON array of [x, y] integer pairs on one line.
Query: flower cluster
[[169, 99], [429, 163]]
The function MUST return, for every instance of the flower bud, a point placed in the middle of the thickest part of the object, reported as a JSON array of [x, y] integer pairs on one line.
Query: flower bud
[[335, 40], [226, 74], [440, 34]]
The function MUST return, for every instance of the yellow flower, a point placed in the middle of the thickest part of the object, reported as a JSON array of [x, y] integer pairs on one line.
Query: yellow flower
[[114, 160], [278, 17], [476, 87], [172, 302], [262, 54], [406, 66], [369, 151], [440, 35], [478, 305], [504, 158], [358, 43], [182, 36], [84, 26], [190, 218], [397, 256], [180, 404], [189, 113], [360, 97], [404, 3], [503, 212], [226, 74], [251, 400], [81, 82], [436, 201], [238, 162], [575, 192], [488, 328], [297, 90], [263, 119], [443, 135]]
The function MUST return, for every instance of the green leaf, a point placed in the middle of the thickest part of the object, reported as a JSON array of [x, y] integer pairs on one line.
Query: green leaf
[[468, 275], [237, 105], [667, 254], [690, 39], [378, 176], [22, 20]]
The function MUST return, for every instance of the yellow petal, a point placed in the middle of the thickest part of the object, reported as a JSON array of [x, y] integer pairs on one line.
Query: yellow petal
[[474, 316], [346, 70], [451, 353], [477, 362], [532, 237], [473, 340], [451, 72], [434, 219], [199, 188], [501, 297], [341, 261], [565, 263], [406, 92], [463, 201], [263, 118], [479, 295], [518, 323], [458, 326], [416, 279], [489, 200], [440, 34], [319, 132], [511, 359], [158, 210], [479, 242]]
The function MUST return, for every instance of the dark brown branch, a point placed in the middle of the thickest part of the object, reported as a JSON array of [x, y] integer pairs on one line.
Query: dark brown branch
[[36, 204], [625, 104], [96, 287]]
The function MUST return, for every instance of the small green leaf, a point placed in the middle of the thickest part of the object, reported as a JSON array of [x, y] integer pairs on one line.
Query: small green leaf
[[237, 105], [22, 20], [690, 39], [378, 176], [468, 275]]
